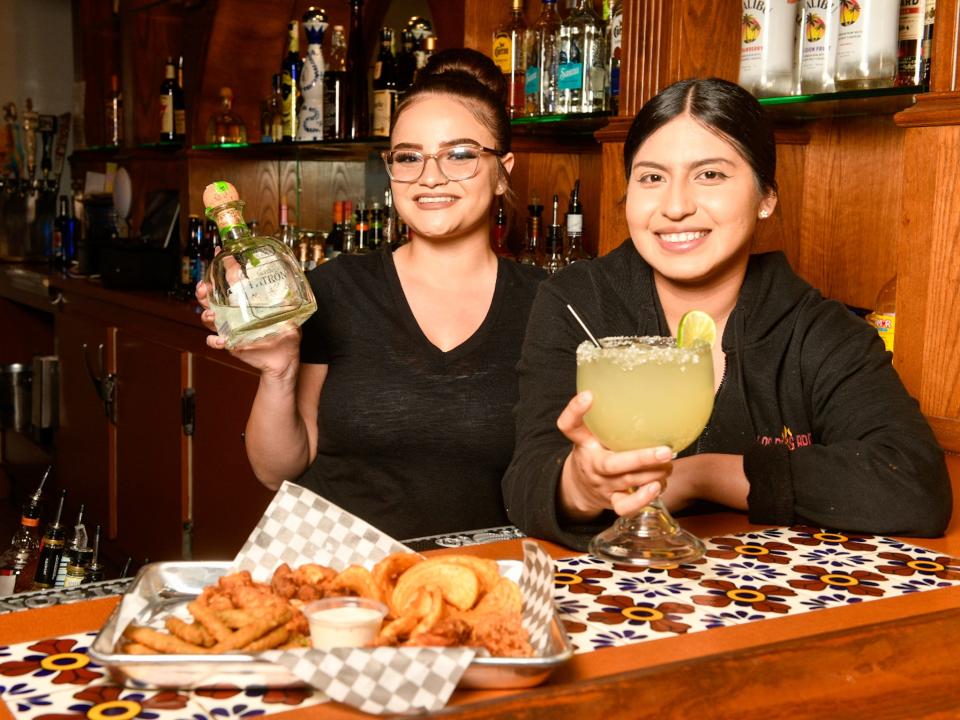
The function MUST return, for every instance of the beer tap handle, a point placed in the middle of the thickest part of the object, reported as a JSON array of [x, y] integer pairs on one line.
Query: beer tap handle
[[60, 148], [30, 122]]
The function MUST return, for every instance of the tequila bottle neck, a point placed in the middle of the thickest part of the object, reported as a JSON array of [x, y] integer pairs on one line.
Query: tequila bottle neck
[[229, 220]]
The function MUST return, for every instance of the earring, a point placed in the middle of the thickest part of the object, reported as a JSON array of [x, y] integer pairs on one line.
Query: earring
[[764, 214]]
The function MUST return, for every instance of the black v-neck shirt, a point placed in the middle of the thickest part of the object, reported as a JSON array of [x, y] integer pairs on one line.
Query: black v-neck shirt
[[412, 439]]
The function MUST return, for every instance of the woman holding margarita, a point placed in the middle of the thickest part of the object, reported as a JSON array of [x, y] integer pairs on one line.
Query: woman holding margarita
[[810, 422]]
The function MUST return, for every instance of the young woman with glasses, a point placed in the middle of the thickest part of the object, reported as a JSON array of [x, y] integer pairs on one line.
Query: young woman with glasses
[[396, 403]]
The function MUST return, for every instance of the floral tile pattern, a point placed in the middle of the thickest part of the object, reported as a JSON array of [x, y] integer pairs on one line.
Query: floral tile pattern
[[742, 578], [55, 680]]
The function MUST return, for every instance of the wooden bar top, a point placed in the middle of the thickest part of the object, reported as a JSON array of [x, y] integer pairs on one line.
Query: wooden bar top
[[891, 658]]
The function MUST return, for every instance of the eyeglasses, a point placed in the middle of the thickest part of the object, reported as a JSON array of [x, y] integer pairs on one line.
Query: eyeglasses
[[460, 162]]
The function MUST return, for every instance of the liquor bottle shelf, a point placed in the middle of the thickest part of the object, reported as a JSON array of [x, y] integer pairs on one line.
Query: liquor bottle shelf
[[568, 124], [877, 101]]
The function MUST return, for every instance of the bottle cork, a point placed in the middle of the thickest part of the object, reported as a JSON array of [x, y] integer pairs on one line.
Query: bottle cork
[[218, 193]]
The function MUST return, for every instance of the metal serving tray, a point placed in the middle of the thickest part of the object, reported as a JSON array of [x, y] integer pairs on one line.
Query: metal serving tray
[[168, 587]]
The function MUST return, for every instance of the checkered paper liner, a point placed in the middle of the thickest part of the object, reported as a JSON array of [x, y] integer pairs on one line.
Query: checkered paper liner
[[301, 527]]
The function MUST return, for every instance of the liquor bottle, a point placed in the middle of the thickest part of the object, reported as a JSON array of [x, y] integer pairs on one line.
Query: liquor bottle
[[767, 31], [376, 226], [384, 85], [422, 32], [290, 81], [51, 550], [114, 114], [191, 249], [531, 254], [179, 106], [581, 61], [406, 62], [18, 563], [288, 231], [929, 18], [358, 102], [225, 126], [867, 44], [884, 315], [335, 88], [271, 113], [349, 231], [554, 262], [508, 55], [541, 66], [94, 571], [820, 27], [311, 77], [65, 229], [334, 244], [361, 229], [168, 102], [257, 288], [910, 42], [575, 250], [614, 49], [76, 571], [71, 551], [389, 220], [498, 238]]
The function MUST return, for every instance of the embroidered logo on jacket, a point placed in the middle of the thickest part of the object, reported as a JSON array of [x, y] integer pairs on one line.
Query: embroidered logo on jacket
[[787, 438]]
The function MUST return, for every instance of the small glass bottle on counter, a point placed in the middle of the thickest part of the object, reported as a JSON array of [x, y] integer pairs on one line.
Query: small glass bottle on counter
[[257, 287]]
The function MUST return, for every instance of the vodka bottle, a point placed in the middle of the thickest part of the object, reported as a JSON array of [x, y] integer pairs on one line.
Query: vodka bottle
[[767, 31], [508, 55], [867, 44], [542, 55], [581, 62], [310, 125], [257, 289], [818, 59]]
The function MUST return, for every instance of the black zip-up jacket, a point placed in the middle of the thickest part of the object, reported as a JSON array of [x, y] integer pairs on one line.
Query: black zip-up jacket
[[809, 397]]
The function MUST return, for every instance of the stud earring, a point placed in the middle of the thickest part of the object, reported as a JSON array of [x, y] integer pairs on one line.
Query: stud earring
[[764, 214]]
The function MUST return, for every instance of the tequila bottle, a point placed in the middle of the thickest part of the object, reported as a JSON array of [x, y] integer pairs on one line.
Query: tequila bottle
[[581, 70], [310, 125], [257, 287], [542, 55], [508, 55]]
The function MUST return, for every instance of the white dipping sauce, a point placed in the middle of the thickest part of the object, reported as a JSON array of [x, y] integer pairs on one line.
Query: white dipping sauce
[[344, 622]]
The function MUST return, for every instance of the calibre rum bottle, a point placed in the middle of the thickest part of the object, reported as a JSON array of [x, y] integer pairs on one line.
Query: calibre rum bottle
[[867, 44], [818, 57], [767, 46], [257, 288]]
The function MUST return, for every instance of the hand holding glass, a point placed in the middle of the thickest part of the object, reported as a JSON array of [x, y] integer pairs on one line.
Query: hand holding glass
[[647, 392]]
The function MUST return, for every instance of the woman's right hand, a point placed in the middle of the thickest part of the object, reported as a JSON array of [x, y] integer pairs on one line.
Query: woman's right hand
[[595, 478], [275, 356]]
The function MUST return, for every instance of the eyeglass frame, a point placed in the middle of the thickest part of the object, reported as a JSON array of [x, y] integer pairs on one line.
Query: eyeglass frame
[[436, 158]]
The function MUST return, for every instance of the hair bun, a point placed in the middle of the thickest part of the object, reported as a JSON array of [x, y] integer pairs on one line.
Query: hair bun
[[466, 63]]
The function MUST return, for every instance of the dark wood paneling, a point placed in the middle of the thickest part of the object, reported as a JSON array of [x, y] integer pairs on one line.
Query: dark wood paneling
[[228, 500], [149, 511], [33, 333]]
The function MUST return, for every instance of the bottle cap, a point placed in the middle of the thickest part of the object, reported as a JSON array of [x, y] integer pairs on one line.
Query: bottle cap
[[218, 193]]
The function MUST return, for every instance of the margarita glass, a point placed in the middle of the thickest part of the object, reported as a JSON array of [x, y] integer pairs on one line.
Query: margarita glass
[[647, 392]]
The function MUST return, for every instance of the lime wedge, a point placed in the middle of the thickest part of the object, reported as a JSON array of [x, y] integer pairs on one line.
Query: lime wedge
[[696, 325]]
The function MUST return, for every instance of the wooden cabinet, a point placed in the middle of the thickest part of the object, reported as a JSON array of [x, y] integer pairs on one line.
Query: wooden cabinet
[[162, 465], [227, 499], [150, 487]]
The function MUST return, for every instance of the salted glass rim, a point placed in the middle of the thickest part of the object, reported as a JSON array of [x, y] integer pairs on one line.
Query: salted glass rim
[[631, 350]]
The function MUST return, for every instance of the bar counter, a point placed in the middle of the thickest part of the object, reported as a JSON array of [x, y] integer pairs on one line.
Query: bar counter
[[890, 657]]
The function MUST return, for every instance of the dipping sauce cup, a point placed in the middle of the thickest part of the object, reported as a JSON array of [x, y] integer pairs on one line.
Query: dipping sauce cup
[[344, 621]]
